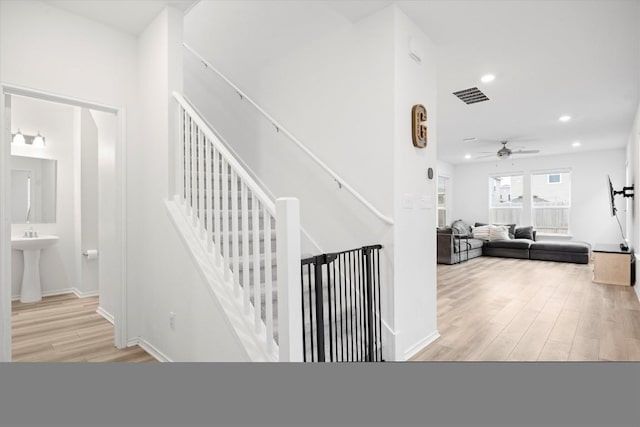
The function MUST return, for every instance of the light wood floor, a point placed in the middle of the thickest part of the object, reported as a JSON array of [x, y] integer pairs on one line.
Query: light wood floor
[[499, 309], [66, 328]]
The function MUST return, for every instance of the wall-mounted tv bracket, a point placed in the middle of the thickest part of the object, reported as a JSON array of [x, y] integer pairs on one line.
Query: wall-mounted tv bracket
[[625, 192]]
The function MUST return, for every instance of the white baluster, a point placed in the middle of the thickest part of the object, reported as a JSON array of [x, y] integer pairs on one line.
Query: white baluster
[[180, 158], [209, 195], [257, 306], [246, 279], [235, 230], [216, 204], [201, 176], [194, 171], [268, 272], [225, 217], [187, 160]]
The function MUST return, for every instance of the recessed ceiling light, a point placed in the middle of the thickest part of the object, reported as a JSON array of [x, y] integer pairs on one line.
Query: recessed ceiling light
[[487, 78], [467, 156], [564, 118], [576, 144]]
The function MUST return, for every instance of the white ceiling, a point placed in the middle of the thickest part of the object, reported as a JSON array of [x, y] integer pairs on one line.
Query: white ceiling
[[131, 16], [550, 58]]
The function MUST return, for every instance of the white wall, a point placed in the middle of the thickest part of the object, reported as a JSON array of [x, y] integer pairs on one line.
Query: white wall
[[414, 195], [163, 275], [590, 218], [107, 206], [333, 93], [88, 203], [56, 123]]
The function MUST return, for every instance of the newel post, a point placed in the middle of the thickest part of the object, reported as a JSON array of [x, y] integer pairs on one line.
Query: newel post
[[289, 288]]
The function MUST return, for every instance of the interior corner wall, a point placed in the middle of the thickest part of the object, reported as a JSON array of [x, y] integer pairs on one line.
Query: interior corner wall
[[414, 239], [159, 265], [590, 219]]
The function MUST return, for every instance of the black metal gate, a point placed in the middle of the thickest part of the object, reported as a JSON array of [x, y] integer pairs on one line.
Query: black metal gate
[[341, 306]]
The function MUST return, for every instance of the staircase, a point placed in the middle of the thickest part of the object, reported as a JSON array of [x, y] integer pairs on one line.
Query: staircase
[[247, 245]]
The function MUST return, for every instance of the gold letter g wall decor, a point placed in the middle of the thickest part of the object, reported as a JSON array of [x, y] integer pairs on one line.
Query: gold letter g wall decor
[[419, 131]]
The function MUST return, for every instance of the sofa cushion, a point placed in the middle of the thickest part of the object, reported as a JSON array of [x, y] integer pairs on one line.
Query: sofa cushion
[[481, 232], [510, 244], [512, 228], [461, 228], [524, 233], [467, 244], [575, 247], [498, 232]]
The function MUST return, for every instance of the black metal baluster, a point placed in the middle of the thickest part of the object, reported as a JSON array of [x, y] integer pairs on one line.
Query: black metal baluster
[[369, 287], [342, 319], [379, 303], [304, 343], [319, 311], [331, 319], [311, 280]]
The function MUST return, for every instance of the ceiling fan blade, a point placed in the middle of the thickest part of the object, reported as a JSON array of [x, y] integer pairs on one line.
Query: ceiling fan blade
[[525, 152], [485, 152], [488, 155]]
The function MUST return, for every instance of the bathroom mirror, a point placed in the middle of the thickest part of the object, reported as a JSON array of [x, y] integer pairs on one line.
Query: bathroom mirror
[[33, 190]]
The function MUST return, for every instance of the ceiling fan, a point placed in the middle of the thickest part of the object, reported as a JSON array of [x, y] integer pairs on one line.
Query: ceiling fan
[[505, 152]]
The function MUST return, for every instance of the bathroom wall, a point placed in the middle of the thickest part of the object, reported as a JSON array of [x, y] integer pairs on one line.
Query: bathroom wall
[[87, 201], [55, 123]]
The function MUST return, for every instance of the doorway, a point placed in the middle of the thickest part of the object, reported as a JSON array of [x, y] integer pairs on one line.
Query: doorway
[[97, 257]]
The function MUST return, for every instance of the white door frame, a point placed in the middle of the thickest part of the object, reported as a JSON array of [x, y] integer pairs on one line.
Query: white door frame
[[120, 309]]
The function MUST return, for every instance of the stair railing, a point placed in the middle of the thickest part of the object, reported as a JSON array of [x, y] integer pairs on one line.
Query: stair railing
[[238, 220], [341, 182]]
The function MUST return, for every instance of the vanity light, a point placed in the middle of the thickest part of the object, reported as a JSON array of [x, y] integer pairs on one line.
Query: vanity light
[[18, 138], [38, 141]]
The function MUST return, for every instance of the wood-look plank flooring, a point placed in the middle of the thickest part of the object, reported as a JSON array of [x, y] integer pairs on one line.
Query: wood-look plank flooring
[[499, 309], [66, 328]]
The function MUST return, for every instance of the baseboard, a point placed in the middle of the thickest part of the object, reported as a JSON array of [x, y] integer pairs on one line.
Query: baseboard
[[64, 291], [89, 294], [414, 349], [102, 312], [149, 348], [52, 293]]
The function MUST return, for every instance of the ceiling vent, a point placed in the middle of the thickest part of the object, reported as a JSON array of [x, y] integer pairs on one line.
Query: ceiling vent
[[471, 95]]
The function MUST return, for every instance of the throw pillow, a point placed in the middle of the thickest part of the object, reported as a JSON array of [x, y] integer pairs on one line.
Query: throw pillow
[[481, 232], [460, 227], [524, 232], [498, 232], [512, 228]]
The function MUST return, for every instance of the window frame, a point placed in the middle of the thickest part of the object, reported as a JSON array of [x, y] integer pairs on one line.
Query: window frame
[[503, 175], [549, 172], [445, 193]]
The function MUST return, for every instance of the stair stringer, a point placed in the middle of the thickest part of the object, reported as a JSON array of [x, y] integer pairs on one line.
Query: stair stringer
[[221, 290]]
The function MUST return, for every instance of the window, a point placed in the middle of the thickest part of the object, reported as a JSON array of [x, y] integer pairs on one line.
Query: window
[[505, 199], [443, 184], [554, 178], [551, 201]]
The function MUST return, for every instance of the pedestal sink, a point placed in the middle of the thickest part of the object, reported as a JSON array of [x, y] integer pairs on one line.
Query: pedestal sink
[[31, 247]]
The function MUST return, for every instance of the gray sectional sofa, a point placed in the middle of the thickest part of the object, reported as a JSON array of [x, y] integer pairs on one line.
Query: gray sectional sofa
[[456, 244]]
